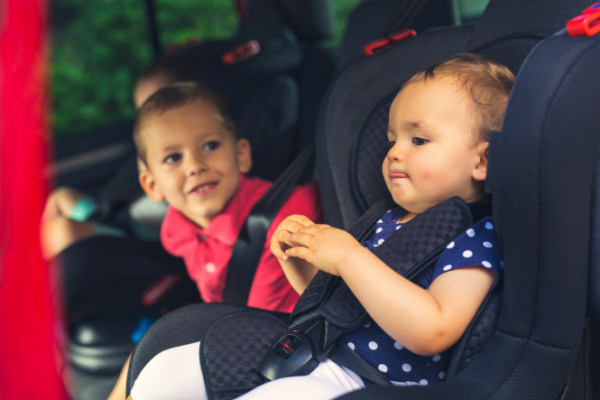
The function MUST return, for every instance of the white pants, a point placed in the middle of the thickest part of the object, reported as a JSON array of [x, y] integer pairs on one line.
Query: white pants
[[175, 374]]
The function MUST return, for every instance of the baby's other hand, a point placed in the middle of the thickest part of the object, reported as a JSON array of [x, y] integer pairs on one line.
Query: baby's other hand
[[280, 240], [323, 246]]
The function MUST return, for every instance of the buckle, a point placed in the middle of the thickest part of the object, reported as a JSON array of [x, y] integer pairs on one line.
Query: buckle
[[296, 352], [242, 52], [385, 43], [592, 9], [584, 25]]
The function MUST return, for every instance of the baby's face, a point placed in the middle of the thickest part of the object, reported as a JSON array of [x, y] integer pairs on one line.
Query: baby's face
[[432, 157], [193, 161]]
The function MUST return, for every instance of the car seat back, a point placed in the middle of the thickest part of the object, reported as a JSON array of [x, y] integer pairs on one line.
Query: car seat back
[[353, 117]]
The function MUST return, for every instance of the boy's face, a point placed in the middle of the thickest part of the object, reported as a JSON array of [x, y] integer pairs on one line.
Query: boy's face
[[193, 161], [432, 156]]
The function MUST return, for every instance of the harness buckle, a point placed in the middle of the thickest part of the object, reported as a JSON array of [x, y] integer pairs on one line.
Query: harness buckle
[[296, 352], [385, 43], [587, 24], [241, 53]]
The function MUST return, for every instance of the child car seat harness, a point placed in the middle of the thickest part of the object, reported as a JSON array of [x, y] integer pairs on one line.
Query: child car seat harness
[[328, 308]]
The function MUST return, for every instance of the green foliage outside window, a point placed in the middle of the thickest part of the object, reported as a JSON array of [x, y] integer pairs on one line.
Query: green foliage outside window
[[100, 46]]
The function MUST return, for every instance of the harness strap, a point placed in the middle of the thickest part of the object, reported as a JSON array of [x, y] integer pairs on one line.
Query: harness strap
[[249, 245], [343, 356]]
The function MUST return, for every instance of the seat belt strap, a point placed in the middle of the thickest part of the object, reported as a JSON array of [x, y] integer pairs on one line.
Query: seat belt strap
[[345, 357], [249, 245]]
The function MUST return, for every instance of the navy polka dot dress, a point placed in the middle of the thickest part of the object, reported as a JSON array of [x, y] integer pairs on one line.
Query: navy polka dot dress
[[479, 245]]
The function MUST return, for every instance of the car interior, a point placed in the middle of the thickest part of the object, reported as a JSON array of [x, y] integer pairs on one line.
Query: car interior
[[313, 110]]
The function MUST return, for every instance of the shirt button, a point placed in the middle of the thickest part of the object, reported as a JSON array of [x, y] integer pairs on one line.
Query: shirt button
[[210, 268]]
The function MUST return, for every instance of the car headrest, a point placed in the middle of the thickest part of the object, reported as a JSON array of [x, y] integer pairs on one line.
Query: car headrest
[[311, 20], [505, 17]]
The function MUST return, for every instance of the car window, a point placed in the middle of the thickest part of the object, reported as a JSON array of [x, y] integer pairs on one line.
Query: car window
[[100, 46]]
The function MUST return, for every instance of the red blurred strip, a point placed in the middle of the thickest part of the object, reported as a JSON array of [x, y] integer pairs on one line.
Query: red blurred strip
[[241, 8], [29, 344]]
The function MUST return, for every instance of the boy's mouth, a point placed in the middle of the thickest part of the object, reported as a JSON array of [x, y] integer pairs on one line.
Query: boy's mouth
[[393, 175], [204, 187]]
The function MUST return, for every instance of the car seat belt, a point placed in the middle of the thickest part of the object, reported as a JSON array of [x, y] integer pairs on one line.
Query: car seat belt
[[406, 13], [249, 245]]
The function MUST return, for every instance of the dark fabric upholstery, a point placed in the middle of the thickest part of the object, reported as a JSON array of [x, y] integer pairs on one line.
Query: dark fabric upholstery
[[231, 351]]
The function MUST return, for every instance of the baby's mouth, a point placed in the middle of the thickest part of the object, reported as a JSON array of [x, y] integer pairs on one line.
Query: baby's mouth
[[203, 188], [393, 175]]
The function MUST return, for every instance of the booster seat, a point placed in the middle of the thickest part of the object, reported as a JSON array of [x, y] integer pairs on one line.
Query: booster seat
[[526, 340]]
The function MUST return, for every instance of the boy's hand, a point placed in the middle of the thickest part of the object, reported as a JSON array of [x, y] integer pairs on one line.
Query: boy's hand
[[280, 240], [322, 246]]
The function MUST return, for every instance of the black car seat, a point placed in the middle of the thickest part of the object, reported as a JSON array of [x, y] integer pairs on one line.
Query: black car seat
[[354, 114]]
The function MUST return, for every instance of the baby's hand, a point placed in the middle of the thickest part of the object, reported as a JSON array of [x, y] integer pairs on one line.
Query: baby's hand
[[322, 246], [280, 240]]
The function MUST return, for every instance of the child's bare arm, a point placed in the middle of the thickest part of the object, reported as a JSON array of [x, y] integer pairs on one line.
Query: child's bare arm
[[298, 272], [61, 202], [425, 322]]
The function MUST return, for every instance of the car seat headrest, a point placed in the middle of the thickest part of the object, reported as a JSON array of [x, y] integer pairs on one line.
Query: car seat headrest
[[311, 20], [504, 17]]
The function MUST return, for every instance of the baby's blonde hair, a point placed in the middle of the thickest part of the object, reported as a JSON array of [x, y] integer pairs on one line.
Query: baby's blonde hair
[[488, 83]]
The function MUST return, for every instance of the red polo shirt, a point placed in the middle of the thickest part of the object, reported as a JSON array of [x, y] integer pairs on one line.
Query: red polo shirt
[[206, 252]]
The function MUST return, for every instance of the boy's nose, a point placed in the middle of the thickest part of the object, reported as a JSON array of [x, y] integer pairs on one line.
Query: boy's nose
[[196, 164]]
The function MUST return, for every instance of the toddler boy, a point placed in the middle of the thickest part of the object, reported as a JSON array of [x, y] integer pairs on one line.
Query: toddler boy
[[187, 141]]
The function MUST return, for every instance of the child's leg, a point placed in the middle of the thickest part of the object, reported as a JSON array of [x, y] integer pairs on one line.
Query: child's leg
[[176, 374], [328, 381]]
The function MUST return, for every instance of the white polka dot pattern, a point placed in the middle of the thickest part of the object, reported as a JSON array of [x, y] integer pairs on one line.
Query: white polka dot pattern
[[398, 346], [450, 246], [442, 375], [373, 345], [467, 254], [406, 367], [486, 264], [351, 345], [447, 267], [437, 358], [383, 368], [488, 245], [470, 232], [488, 225]]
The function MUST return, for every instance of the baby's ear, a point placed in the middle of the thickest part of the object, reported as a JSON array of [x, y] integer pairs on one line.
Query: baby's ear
[[150, 186], [244, 154], [480, 170]]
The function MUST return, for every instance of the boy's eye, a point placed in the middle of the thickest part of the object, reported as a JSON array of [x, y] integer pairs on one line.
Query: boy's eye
[[390, 143], [417, 141], [213, 145], [170, 159]]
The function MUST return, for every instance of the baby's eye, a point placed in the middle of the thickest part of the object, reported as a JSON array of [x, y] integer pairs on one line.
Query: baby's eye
[[390, 143], [172, 158], [212, 145], [417, 141]]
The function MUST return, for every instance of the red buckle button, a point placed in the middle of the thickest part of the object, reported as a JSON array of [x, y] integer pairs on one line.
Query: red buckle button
[[242, 52], [592, 9], [585, 25], [385, 43]]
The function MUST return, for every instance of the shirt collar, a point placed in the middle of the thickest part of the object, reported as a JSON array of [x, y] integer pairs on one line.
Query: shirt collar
[[226, 226]]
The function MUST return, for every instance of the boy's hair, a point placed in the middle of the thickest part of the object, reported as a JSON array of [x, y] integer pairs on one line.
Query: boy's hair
[[174, 96], [488, 83]]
